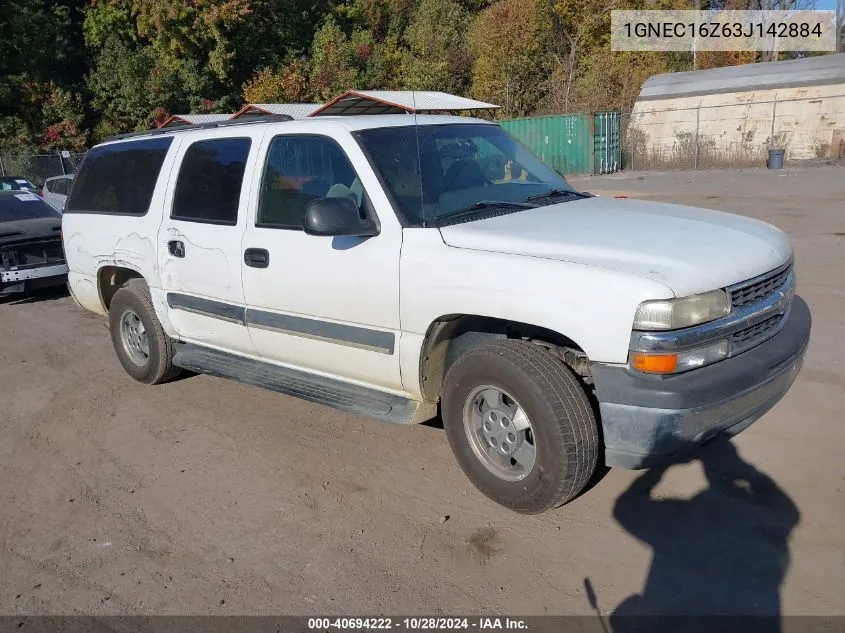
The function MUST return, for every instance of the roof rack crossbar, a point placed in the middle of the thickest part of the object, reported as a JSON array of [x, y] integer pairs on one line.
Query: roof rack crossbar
[[274, 118]]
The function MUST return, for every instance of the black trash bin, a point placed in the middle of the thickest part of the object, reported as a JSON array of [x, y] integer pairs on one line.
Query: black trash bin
[[775, 159]]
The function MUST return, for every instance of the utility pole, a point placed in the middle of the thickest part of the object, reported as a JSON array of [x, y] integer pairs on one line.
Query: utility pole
[[695, 37], [774, 115], [697, 123], [508, 96]]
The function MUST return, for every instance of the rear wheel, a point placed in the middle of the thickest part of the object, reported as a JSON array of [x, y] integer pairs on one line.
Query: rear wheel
[[142, 346], [520, 425]]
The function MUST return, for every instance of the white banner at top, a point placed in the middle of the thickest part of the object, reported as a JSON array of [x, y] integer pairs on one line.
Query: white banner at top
[[802, 30]]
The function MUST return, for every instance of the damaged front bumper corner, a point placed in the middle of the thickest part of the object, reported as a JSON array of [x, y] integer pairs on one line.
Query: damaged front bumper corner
[[648, 420]]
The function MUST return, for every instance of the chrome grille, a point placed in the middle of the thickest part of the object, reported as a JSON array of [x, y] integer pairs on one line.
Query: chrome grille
[[759, 288], [757, 330]]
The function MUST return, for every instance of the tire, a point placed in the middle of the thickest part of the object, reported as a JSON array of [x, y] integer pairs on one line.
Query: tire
[[134, 298], [562, 425]]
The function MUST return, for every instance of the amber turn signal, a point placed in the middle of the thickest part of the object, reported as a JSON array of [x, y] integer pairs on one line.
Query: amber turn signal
[[655, 363]]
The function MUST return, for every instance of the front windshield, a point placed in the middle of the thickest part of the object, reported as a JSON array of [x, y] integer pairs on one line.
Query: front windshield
[[457, 166]]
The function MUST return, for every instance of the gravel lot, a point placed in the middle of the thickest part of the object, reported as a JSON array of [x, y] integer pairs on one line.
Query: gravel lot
[[206, 496]]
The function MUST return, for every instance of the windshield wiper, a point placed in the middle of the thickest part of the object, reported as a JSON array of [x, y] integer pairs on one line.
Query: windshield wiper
[[483, 205], [553, 193]]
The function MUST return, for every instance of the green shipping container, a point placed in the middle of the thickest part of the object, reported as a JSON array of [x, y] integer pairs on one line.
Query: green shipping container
[[572, 143], [607, 148]]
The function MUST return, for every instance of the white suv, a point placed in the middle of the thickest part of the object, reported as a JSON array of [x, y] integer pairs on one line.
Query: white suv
[[388, 265]]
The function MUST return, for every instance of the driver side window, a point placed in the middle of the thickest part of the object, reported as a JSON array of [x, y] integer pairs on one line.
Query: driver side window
[[299, 169]]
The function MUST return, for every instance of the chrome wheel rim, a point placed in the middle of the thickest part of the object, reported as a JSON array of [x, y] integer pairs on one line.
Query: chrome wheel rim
[[500, 433], [133, 335]]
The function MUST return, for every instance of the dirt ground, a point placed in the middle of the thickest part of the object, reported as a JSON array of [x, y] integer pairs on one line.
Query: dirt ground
[[206, 496]]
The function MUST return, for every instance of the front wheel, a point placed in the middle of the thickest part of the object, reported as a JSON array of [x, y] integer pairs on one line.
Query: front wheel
[[520, 425]]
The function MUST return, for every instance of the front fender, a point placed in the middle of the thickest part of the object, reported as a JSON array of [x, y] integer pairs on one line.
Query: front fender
[[591, 306]]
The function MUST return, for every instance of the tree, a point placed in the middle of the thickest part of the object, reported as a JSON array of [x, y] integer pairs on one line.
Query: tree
[[506, 56], [41, 56], [717, 59], [332, 61], [386, 65], [612, 81], [288, 85], [63, 120], [578, 25], [38, 40], [273, 33], [72, 71], [436, 40]]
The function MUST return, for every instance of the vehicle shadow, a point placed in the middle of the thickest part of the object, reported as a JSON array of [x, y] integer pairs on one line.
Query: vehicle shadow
[[723, 552], [51, 293]]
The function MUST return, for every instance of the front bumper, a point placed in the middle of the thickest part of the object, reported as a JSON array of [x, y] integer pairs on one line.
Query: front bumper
[[647, 420]]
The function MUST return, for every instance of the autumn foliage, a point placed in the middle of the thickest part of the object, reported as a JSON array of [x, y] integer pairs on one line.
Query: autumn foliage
[[75, 71]]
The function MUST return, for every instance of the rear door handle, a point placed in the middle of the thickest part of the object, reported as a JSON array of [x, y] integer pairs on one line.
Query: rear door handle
[[257, 257], [176, 248]]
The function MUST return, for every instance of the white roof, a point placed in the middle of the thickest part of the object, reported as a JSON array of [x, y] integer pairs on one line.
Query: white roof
[[294, 110], [370, 121], [398, 101], [351, 123]]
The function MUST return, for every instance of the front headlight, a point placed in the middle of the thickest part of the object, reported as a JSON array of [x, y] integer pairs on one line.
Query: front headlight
[[673, 314]]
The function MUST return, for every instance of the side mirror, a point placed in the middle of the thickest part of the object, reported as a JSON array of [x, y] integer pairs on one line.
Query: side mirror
[[337, 216]]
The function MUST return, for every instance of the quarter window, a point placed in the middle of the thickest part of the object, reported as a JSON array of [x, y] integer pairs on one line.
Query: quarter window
[[210, 178], [299, 169], [119, 178]]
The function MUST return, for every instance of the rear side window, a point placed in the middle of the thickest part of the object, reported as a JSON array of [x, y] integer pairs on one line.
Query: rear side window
[[119, 179], [59, 186], [210, 179]]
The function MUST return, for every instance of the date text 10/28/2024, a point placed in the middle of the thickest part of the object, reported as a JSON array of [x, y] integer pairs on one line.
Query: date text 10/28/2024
[[417, 624]]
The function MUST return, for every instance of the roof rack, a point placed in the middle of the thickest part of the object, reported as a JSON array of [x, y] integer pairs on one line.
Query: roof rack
[[275, 118]]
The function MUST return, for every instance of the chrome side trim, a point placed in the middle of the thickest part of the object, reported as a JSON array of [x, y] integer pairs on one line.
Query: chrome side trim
[[776, 303], [338, 333], [315, 329], [207, 307]]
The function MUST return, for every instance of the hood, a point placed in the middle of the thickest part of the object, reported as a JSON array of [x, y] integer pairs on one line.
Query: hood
[[22, 230], [690, 250]]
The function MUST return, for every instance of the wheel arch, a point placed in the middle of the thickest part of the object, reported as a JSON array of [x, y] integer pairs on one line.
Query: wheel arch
[[451, 335], [111, 278]]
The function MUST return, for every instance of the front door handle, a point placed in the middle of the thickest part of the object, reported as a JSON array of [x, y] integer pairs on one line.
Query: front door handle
[[176, 248], [257, 257]]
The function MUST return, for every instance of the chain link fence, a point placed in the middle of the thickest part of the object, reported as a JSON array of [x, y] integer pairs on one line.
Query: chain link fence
[[38, 167], [737, 134]]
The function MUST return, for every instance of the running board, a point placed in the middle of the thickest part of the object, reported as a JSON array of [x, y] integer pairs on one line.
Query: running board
[[326, 391]]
